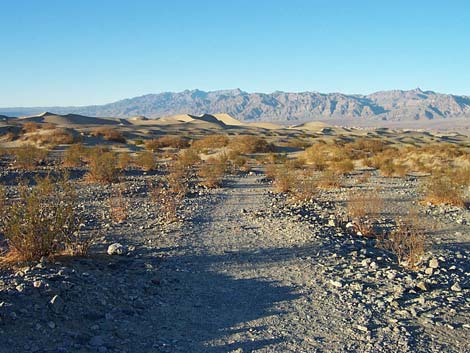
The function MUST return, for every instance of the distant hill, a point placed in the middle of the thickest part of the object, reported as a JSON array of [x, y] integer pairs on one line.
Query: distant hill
[[280, 107]]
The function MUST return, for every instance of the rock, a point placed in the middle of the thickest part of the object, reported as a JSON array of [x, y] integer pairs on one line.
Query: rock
[[433, 263], [116, 249], [362, 328], [336, 284], [429, 271], [422, 286], [38, 284], [57, 304], [20, 288], [456, 287]]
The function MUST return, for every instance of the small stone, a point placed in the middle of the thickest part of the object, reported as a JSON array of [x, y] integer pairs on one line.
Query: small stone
[[433, 263], [38, 284], [336, 284], [20, 288], [57, 304], [422, 285], [456, 287], [116, 249], [51, 324], [362, 328], [429, 271]]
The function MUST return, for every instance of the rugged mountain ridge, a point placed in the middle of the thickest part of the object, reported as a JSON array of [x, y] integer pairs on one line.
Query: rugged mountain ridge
[[280, 106]]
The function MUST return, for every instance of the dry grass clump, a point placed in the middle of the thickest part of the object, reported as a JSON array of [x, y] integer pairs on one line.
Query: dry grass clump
[[109, 134], [212, 172], [59, 137], [166, 201], [43, 222], [323, 157], [73, 156], [30, 126], [124, 160], [146, 160], [407, 242], [118, 206], [246, 144], [329, 180], [188, 158], [166, 141], [441, 189], [284, 179], [305, 188], [364, 208], [102, 165], [239, 163], [28, 156], [210, 142]]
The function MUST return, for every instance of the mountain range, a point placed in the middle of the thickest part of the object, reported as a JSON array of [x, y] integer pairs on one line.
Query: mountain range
[[280, 107]]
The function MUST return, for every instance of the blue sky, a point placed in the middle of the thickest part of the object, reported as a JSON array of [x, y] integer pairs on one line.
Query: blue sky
[[84, 52]]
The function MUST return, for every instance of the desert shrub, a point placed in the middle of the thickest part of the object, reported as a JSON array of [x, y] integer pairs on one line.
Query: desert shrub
[[138, 142], [441, 189], [283, 179], [118, 206], [298, 143], [407, 242], [166, 201], [124, 160], [239, 163], [460, 176], [166, 141], [342, 167], [246, 144], [28, 156], [73, 155], [102, 166], [305, 187], [146, 160], [212, 172], [364, 208], [43, 222], [188, 158], [109, 134], [210, 142], [48, 126], [30, 126], [329, 180], [177, 178], [59, 137]]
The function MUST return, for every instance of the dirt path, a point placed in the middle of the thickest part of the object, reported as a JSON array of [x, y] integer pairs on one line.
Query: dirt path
[[243, 284]]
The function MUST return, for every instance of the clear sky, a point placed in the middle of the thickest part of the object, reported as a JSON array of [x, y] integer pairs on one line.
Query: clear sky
[[80, 52]]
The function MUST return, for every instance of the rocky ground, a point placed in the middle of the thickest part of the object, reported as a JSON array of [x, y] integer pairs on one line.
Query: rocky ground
[[242, 272]]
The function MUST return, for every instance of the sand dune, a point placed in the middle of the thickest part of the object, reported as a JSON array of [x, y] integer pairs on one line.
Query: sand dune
[[70, 119]]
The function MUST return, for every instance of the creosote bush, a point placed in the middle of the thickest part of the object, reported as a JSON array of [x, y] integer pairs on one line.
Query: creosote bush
[[146, 160], [443, 190], [73, 156], [212, 172], [364, 208], [166, 141], [109, 134], [210, 142], [118, 206], [246, 144], [407, 242], [28, 156], [102, 165], [43, 221]]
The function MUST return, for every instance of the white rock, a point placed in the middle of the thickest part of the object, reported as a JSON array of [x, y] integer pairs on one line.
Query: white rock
[[116, 249]]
